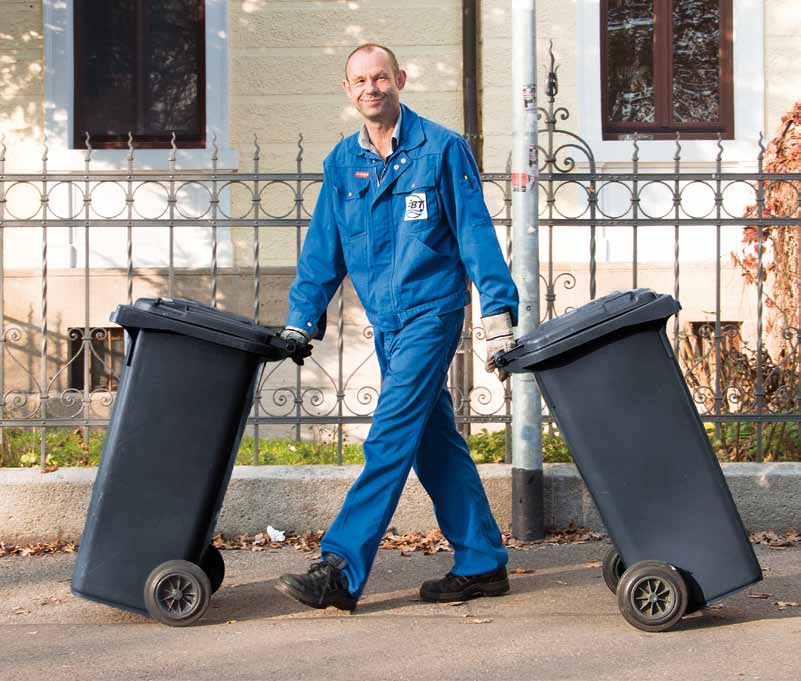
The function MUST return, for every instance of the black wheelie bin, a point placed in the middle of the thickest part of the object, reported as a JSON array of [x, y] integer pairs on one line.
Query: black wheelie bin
[[184, 395], [612, 383]]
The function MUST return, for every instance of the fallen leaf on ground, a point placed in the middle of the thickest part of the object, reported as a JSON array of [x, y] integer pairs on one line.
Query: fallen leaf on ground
[[775, 539], [786, 604], [593, 564], [759, 595], [230, 621], [456, 603], [37, 549], [478, 621], [429, 542], [572, 535], [522, 571]]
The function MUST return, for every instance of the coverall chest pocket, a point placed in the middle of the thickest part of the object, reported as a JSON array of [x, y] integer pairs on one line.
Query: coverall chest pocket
[[353, 204], [415, 201]]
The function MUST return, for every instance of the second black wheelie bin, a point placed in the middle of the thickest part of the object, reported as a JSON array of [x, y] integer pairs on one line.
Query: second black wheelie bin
[[183, 399], [612, 383]]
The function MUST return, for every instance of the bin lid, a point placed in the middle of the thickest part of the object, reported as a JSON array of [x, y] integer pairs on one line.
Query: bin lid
[[598, 318], [207, 317], [582, 318]]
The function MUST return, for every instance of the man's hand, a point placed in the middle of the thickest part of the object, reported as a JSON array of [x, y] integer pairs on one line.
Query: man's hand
[[301, 339], [498, 334]]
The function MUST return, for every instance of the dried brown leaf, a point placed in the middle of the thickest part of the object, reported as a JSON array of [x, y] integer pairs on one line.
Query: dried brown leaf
[[782, 605], [478, 621], [759, 595], [522, 571]]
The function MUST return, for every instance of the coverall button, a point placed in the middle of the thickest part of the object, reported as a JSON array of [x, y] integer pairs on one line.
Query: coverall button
[[403, 160], [395, 167], [350, 193]]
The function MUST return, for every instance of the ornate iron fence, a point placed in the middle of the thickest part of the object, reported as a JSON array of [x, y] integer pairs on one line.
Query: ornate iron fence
[[744, 379]]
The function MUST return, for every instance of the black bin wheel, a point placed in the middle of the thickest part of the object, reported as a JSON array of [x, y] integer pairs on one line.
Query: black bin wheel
[[177, 593], [613, 569], [652, 596], [214, 566]]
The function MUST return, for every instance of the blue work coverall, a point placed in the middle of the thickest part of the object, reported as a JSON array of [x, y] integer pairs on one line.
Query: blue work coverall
[[408, 231]]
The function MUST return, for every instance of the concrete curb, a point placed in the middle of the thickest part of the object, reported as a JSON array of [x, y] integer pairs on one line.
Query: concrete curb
[[38, 506]]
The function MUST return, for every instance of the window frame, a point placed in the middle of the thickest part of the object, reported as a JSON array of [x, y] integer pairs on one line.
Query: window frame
[[76, 368], [663, 80], [142, 141]]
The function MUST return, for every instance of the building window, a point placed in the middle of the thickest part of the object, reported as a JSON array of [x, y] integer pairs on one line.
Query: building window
[[106, 358], [139, 67], [666, 66]]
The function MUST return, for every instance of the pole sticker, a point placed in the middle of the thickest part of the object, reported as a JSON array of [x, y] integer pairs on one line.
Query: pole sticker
[[530, 97], [519, 182]]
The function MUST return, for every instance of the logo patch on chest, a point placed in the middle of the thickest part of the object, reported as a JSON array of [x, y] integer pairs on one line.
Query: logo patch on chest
[[361, 173], [416, 208]]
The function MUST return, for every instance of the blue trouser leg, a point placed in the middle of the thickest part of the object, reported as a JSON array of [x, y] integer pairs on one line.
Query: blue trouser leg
[[450, 477], [414, 363]]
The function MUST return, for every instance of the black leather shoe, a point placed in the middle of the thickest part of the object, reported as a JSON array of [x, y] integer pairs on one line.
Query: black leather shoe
[[461, 587], [323, 585]]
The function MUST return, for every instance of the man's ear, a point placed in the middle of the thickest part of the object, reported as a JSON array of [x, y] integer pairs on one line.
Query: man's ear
[[401, 79], [346, 87]]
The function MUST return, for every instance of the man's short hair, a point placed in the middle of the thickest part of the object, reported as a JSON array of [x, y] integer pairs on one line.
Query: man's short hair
[[393, 60]]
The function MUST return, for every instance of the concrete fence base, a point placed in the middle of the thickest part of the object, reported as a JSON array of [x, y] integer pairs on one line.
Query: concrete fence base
[[43, 507]]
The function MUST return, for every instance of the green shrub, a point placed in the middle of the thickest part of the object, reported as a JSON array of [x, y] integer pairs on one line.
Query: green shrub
[[287, 452], [66, 446], [489, 447]]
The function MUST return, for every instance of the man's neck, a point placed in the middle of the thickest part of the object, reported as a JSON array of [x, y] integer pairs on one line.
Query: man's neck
[[380, 133]]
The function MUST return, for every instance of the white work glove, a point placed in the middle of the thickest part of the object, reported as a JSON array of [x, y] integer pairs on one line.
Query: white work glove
[[301, 339], [499, 336]]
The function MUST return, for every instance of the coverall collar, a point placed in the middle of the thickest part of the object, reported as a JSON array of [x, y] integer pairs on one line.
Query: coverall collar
[[366, 143], [411, 132]]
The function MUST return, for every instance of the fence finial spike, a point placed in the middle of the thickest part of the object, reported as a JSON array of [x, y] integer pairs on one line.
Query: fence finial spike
[[173, 148], [677, 155], [719, 157], [44, 145], [635, 140], [214, 155], [130, 146], [761, 146], [257, 147], [300, 147], [88, 143], [2, 146]]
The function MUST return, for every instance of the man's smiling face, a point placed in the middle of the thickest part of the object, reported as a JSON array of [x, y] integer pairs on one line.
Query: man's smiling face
[[373, 86]]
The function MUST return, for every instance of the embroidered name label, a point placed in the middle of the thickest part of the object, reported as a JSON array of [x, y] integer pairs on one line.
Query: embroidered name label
[[361, 173], [416, 208]]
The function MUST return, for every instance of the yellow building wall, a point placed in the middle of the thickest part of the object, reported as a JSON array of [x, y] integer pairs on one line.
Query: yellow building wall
[[286, 71], [782, 75], [21, 76]]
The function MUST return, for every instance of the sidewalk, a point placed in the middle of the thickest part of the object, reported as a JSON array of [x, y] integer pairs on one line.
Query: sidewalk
[[558, 623]]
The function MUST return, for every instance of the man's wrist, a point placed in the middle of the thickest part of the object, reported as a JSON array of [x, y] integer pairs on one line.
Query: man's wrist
[[298, 334], [497, 325]]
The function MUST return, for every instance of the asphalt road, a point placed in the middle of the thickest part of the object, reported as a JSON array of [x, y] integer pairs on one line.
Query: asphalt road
[[558, 623]]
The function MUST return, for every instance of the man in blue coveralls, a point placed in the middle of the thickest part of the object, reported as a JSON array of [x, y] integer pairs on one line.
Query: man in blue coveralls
[[401, 211]]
